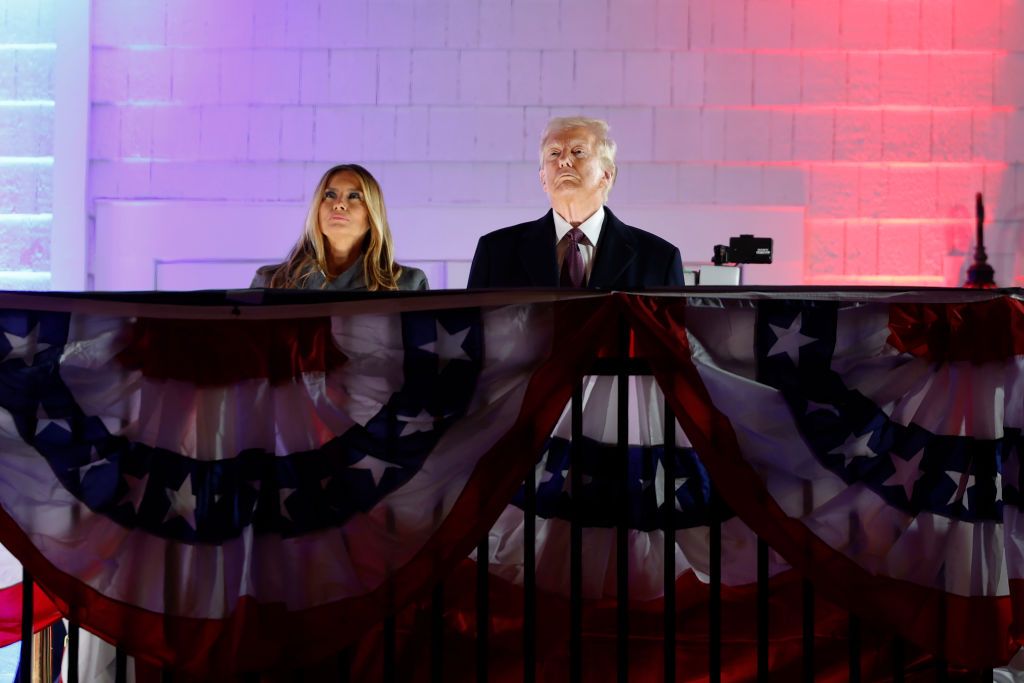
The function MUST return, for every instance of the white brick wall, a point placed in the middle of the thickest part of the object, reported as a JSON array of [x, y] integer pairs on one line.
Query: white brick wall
[[880, 117], [26, 143]]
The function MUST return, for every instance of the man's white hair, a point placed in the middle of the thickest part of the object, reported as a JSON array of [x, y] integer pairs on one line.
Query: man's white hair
[[605, 145]]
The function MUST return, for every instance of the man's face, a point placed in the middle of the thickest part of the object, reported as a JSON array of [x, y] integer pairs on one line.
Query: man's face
[[571, 168]]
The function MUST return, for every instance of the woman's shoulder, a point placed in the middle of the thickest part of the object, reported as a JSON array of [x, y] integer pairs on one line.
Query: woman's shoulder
[[306, 279], [412, 279], [263, 275]]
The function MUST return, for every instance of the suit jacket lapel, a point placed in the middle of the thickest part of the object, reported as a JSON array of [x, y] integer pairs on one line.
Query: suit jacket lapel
[[537, 253], [616, 250]]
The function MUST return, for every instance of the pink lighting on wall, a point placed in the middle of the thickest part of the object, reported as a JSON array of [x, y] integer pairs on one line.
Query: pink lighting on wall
[[879, 118]]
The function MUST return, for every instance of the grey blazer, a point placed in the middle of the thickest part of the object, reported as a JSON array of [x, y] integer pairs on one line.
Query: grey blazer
[[351, 280]]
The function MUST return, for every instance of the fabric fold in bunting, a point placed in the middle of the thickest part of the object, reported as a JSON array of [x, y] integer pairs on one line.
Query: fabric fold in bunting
[[334, 474]]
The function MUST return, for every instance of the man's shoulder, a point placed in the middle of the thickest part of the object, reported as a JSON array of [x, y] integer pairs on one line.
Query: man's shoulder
[[513, 232], [642, 237]]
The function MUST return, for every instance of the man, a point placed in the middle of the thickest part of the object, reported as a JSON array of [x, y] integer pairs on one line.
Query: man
[[579, 242]]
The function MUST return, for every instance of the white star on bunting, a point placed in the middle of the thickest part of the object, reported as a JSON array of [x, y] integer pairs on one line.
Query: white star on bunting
[[448, 346], [183, 502], [907, 472], [94, 461], [423, 422], [585, 480], [283, 495], [789, 340], [541, 473], [136, 490], [375, 466], [46, 422], [814, 407], [856, 447], [25, 347], [659, 486], [962, 484]]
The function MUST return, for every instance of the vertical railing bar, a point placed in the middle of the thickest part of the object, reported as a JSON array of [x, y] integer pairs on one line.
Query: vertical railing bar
[[762, 610], [715, 588], [942, 666], [437, 614], [345, 665], [390, 628], [808, 630], [120, 665], [437, 633], [483, 616], [807, 591], [854, 643], [576, 538], [622, 528], [668, 463], [73, 642], [530, 577], [898, 660], [853, 639], [26, 626]]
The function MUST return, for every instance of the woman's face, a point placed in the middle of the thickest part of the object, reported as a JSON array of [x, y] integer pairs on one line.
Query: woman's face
[[343, 215]]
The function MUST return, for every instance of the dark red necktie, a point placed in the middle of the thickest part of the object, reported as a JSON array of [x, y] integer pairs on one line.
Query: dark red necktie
[[572, 262]]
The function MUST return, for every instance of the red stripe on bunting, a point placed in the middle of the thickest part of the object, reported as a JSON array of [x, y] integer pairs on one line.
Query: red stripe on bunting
[[222, 352], [44, 612], [973, 632], [269, 636], [978, 331]]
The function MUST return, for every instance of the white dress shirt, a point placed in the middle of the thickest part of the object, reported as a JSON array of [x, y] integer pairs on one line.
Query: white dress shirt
[[588, 246]]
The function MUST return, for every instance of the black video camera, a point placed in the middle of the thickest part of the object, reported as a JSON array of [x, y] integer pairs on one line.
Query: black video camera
[[744, 249]]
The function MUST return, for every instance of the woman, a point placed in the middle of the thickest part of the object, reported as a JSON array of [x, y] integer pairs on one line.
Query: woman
[[346, 244]]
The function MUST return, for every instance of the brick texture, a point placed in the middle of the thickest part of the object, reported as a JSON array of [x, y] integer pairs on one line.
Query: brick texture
[[879, 117]]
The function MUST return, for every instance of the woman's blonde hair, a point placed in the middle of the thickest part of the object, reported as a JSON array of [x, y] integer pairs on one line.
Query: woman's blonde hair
[[309, 255]]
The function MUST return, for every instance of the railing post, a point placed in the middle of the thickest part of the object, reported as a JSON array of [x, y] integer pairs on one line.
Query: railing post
[[715, 588], [26, 626], [73, 642], [120, 665], [807, 594], [763, 592], [668, 464], [437, 633], [576, 538], [853, 640], [483, 616], [530, 577], [42, 655], [622, 377]]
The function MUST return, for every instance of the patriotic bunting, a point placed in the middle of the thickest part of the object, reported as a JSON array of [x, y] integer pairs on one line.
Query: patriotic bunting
[[249, 487]]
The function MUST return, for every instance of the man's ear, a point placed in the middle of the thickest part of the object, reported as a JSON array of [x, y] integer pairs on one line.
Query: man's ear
[[543, 182]]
